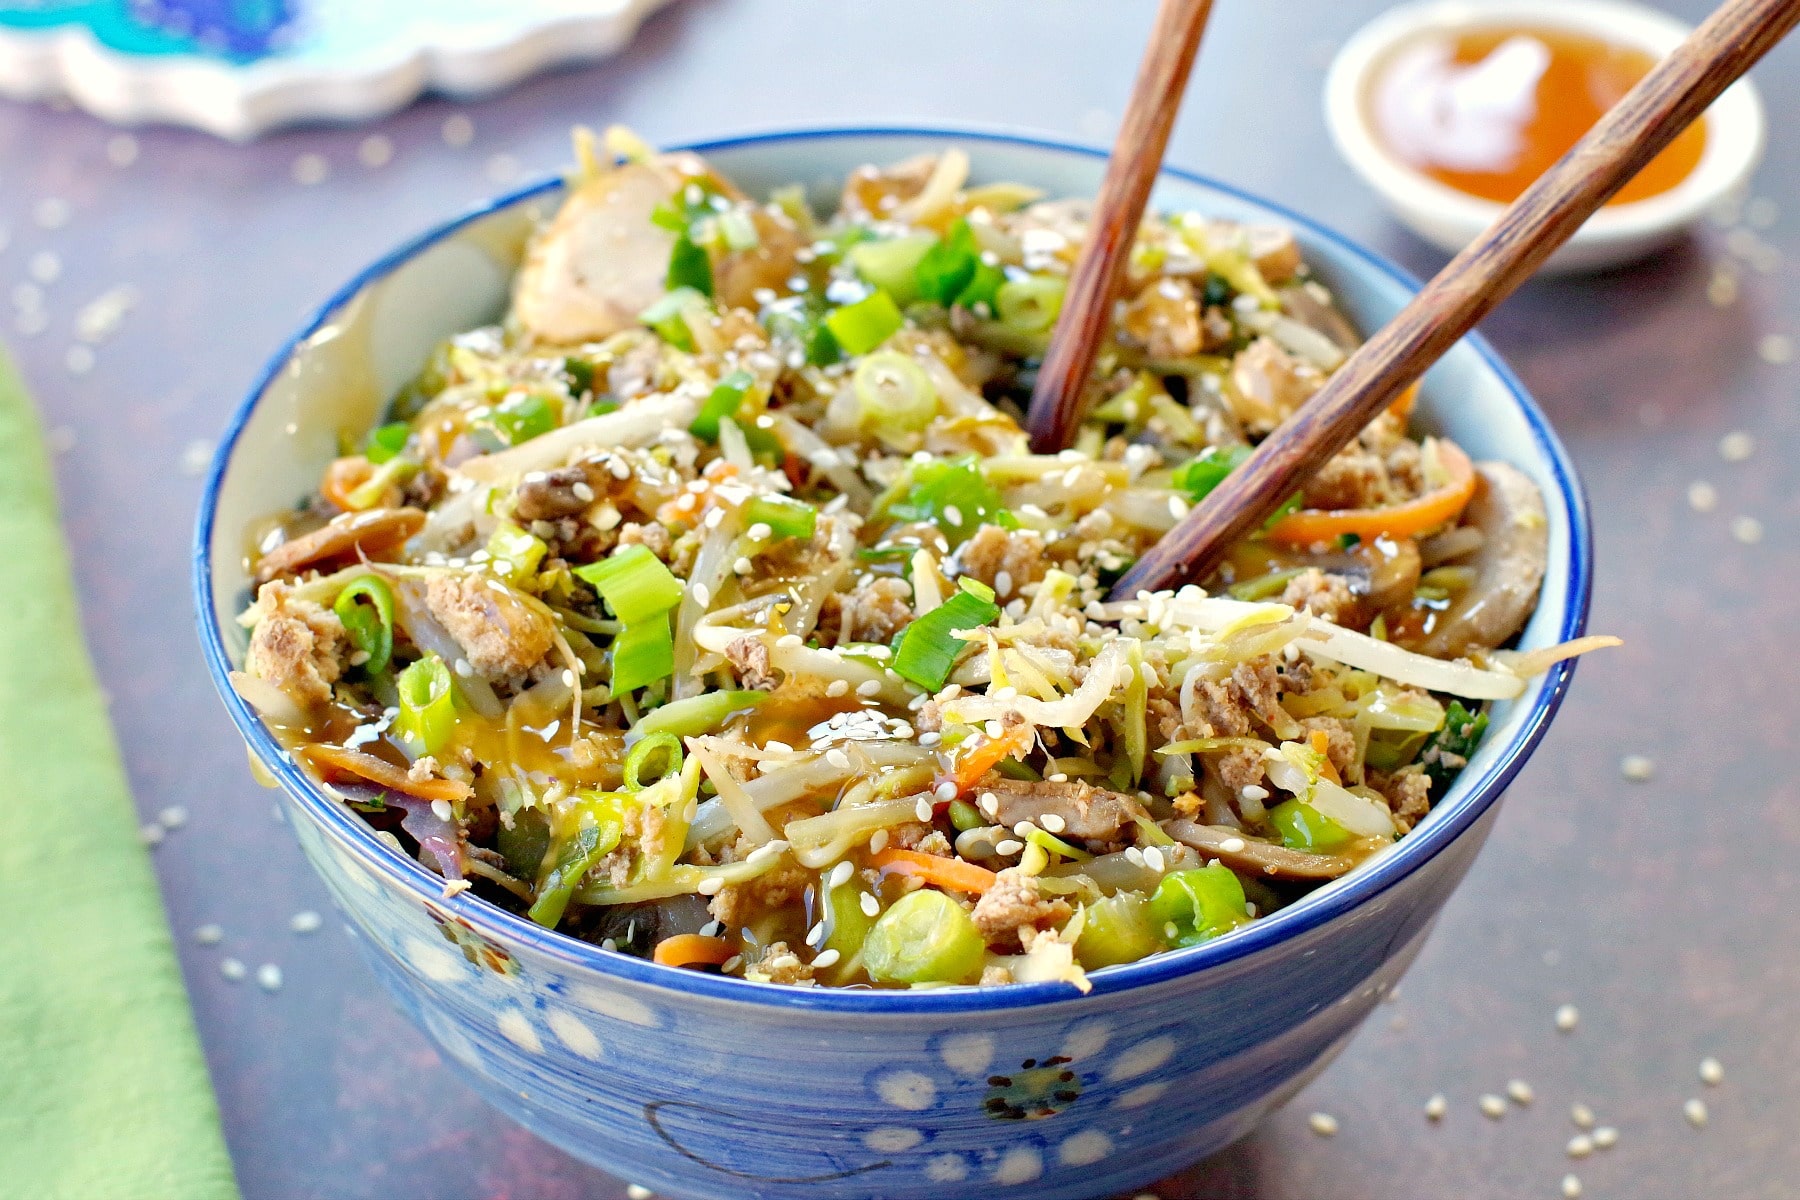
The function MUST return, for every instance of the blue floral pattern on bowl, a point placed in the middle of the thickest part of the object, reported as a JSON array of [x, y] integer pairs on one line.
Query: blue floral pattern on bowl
[[703, 1086]]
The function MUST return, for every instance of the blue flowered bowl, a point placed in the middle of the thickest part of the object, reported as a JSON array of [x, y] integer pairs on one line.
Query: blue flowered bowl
[[704, 1086]]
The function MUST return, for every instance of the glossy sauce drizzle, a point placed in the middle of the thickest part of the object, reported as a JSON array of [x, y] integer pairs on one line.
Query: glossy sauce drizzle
[[1487, 111]]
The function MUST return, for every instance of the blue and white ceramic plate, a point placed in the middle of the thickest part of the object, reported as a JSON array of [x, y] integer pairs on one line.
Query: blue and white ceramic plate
[[239, 67]]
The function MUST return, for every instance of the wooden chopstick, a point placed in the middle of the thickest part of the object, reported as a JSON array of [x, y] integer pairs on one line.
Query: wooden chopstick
[[1673, 95], [1136, 159]]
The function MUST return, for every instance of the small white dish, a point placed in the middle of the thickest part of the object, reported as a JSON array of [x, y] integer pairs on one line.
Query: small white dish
[[1450, 219]]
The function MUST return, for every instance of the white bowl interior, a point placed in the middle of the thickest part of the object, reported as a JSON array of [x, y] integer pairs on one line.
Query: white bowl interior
[[339, 377]]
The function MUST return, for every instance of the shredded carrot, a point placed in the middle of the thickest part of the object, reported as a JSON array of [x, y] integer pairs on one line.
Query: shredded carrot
[[686, 949], [944, 872], [380, 771], [1434, 508], [1321, 742], [1403, 403], [1013, 743]]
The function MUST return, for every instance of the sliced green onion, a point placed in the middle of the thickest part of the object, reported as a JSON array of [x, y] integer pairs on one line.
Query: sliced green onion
[[367, 494], [890, 264], [514, 553], [665, 744], [894, 393], [427, 706], [1303, 827], [697, 714], [1191, 907], [523, 417], [785, 517], [975, 588], [1115, 930], [726, 397], [371, 625], [689, 266], [601, 406], [951, 493], [862, 326], [927, 650], [642, 654], [949, 266], [1199, 475], [580, 374], [1460, 736], [1031, 304], [738, 230], [386, 441], [634, 583], [983, 291], [965, 816], [926, 937], [599, 827], [668, 317]]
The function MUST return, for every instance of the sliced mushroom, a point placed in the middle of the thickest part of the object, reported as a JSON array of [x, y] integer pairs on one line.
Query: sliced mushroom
[[1515, 550], [1086, 811], [601, 262], [1240, 853], [370, 533], [1274, 251]]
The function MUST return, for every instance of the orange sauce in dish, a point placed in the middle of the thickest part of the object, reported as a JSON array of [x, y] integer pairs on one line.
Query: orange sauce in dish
[[1486, 111]]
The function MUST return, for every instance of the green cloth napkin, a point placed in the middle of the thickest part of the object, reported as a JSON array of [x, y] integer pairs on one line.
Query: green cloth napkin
[[104, 1094]]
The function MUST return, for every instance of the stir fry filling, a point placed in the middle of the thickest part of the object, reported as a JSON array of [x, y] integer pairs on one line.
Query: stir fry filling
[[713, 609]]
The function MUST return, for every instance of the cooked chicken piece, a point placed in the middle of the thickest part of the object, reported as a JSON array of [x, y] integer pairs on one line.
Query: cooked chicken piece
[[297, 646], [368, 534], [1509, 567], [500, 632], [1087, 812], [1268, 384]]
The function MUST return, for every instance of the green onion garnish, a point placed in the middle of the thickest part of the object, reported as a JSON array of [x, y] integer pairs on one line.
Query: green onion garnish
[[1460, 736], [1199, 475], [667, 745], [427, 706], [515, 553], [634, 582], [927, 649], [948, 267], [786, 518], [642, 654], [371, 625], [983, 288], [580, 374], [1200, 904], [727, 395], [891, 264], [893, 393], [668, 317], [950, 493], [862, 326], [387, 441], [1031, 304], [599, 827], [1303, 827], [522, 417], [689, 267], [696, 714]]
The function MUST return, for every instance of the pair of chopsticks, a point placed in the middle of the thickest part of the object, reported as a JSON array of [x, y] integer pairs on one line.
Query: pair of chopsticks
[[1673, 95]]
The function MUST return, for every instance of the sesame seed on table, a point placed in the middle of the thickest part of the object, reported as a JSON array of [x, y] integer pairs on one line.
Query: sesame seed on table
[[1639, 868]]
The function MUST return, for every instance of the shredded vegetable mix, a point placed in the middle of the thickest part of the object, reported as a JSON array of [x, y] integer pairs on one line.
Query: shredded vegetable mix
[[713, 608]]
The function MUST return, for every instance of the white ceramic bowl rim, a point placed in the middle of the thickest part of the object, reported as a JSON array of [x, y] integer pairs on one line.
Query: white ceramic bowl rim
[[1468, 799], [1735, 122]]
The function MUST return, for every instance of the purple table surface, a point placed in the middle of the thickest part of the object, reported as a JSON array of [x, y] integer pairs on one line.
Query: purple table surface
[[1666, 910]]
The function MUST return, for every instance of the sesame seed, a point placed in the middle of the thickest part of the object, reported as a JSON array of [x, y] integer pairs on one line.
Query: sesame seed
[[1521, 1092], [1177, 507], [45, 267], [703, 594], [868, 687], [462, 667], [122, 150], [1702, 496], [1436, 1107], [826, 958], [1712, 1072], [1323, 1124], [1747, 530], [1582, 1115], [501, 168], [1057, 777], [1776, 349], [268, 977], [310, 169], [816, 934], [1580, 1146], [1637, 768], [1695, 1112], [232, 969], [1003, 583], [376, 150], [78, 359], [305, 921], [1736, 446], [1722, 289], [922, 809], [878, 841], [710, 886], [458, 130], [1571, 1187], [1024, 829], [152, 834], [209, 935], [1233, 845], [442, 810], [638, 1191], [759, 532], [1134, 856], [837, 687], [1566, 1017], [173, 817], [1605, 1137], [838, 759], [1492, 1106], [52, 212], [1253, 792], [742, 566], [31, 321], [1054, 823], [840, 875], [1009, 846], [1153, 858]]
